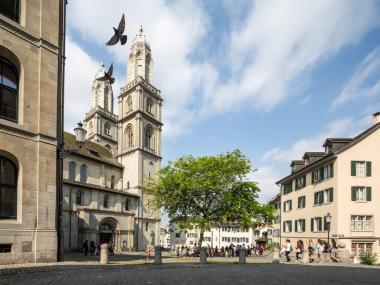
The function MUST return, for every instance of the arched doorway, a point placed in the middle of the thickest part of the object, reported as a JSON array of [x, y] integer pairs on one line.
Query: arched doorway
[[106, 231]]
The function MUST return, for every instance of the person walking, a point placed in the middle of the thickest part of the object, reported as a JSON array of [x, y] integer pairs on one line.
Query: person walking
[[85, 247], [299, 249], [261, 249], [320, 249], [288, 249], [333, 251], [92, 248]]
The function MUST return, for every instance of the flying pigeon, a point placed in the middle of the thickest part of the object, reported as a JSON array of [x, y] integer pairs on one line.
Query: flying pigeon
[[118, 34], [108, 75]]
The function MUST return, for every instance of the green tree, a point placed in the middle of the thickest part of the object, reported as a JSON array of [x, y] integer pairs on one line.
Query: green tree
[[208, 190]]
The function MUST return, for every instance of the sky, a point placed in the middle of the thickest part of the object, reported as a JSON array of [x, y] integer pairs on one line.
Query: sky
[[273, 78]]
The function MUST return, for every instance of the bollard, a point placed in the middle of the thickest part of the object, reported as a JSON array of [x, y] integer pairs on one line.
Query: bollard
[[242, 255], [104, 253], [305, 257], [157, 255], [203, 255], [276, 256]]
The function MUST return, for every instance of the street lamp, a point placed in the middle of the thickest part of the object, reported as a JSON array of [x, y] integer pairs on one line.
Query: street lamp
[[80, 135], [328, 221]]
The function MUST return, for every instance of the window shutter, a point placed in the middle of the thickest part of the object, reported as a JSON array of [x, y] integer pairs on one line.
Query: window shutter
[[312, 177], [299, 202], [331, 195], [321, 173], [368, 168], [353, 168], [332, 170], [284, 207], [315, 199], [304, 181], [290, 226], [295, 226], [283, 227], [290, 205], [303, 224], [353, 193], [312, 224], [368, 193]]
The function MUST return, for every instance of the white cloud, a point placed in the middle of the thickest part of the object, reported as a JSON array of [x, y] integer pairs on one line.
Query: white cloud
[[364, 83], [266, 176]]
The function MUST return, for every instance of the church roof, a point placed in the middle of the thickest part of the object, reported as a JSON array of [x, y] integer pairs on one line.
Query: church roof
[[91, 150]]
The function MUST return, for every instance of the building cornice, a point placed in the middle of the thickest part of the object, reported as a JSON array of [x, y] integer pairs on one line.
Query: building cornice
[[139, 81], [97, 160], [105, 114], [146, 116], [145, 150]]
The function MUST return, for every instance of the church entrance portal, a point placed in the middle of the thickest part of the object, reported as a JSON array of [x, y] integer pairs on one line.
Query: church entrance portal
[[106, 232]]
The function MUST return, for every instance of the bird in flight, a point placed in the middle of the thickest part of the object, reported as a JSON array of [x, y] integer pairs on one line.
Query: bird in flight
[[108, 75], [118, 34]]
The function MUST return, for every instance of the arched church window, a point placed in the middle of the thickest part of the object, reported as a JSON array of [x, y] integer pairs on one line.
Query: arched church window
[[148, 137], [78, 197], [107, 128], [83, 173], [72, 167], [129, 136], [112, 181], [9, 79], [129, 104], [10, 9], [149, 104], [8, 188], [126, 205], [105, 201]]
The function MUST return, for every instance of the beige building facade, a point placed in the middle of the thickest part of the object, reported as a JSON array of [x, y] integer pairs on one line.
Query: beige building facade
[[29, 88], [343, 182], [103, 193]]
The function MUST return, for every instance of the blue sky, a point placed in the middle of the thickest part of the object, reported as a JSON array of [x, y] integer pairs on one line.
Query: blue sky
[[272, 78]]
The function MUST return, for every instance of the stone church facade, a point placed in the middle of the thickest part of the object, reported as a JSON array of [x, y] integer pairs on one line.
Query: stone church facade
[[103, 183]]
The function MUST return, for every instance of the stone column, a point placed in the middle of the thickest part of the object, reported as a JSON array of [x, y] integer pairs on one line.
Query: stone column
[[104, 253], [276, 256], [203, 255], [157, 255], [242, 255]]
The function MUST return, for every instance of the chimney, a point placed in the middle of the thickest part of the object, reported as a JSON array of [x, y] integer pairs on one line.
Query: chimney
[[376, 118]]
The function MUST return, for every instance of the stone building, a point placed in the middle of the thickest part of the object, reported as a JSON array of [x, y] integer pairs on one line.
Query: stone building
[[103, 184], [29, 91], [274, 227], [341, 183]]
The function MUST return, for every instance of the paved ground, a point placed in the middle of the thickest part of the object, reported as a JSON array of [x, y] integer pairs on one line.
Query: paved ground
[[195, 274]]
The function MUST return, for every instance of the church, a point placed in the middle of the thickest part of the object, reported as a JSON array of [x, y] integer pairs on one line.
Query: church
[[103, 197]]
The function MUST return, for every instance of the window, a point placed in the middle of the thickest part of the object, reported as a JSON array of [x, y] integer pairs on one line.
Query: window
[[361, 168], [112, 181], [277, 219], [357, 247], [129, 104], [288, 188], [83, 173], [149, 104], [301, 202], [129, 136], [72, 167], [126, 205], [146, 226], [361, 223], [105, 201], [5, 247], [361, 194], [93, 152], [328, 195], [288, 206], [107, 129], [323, 173], [276, 232], [328, 171], [316, 224], [8, 189], [78, 198], [177, 235], [148, 137], [301, 182], [8, 90], [127, 184], [318, 198], [10, 9], [299, 225], [326, 225], [277, 205], [287, 225]]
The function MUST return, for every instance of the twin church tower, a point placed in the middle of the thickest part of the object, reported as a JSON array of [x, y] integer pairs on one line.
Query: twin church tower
[[134, 135]]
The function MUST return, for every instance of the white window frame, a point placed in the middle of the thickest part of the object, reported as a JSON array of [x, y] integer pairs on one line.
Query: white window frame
[[360, 168], [315, 222], [287, 206], [288, 225], [300, 229], [363, 190], [327, 198], [361, 223]]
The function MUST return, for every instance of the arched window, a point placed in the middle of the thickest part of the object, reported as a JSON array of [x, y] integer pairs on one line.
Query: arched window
[[10, 9], [107, 128], [105, 201], [8, 188], [8, 90], [78, 198], [112, 181], [83, 173], [129, 104], [90, 128], [126, 205], [149, 105], [72, 170], [148, 138], [129, 136]]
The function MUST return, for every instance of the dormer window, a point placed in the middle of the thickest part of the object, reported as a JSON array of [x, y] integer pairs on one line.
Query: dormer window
[[328, 149]]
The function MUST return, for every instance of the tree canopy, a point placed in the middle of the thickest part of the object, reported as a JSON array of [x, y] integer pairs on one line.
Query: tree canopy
[[209, 190]]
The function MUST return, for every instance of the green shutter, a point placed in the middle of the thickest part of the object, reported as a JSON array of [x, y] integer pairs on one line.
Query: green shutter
[[353, 168], [369, 193], [353, 193], [368, 168], [299, 202], [332, 170], [283, 226], [304, 181], [284, 207], [295, 226], [290, 206], [321, 173], [290, 228], [303, 224], [312, 224], [332, 195], [312, 177]]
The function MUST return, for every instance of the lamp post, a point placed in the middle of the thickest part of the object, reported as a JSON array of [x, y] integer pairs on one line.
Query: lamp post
[[80, 135], [328, 221]]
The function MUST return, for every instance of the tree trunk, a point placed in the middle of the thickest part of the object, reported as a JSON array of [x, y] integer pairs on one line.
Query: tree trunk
[[201, 238]]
